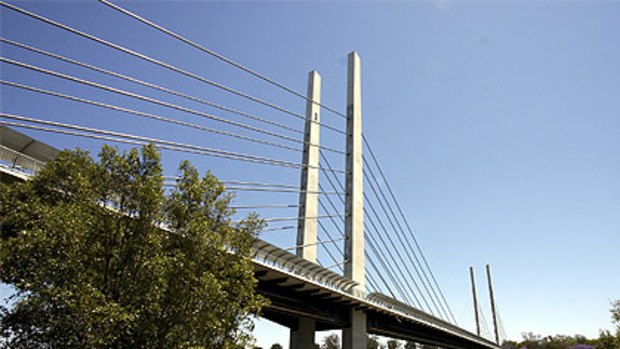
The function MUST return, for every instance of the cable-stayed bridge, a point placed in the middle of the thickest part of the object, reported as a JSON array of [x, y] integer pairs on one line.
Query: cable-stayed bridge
[[338, 251]]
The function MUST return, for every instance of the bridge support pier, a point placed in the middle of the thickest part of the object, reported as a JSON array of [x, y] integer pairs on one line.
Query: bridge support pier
[[355, 336], [303, 336]]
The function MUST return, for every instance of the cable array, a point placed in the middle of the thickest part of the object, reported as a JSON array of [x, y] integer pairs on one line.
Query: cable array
[[379, 248], [47, 125], [390, 240], [217, 55], [485, 330], [144, 114], [405, 237], [159, 63], [150, 85], [149, 100], [502, 329]]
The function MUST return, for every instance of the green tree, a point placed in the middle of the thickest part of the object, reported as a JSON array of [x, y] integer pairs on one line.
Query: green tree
[[531, 340], [331, 342], [509, 344], [393, 344], [615, 314], [100, 257], [373, 343], [276, 346], [607, 341], [410, 345]]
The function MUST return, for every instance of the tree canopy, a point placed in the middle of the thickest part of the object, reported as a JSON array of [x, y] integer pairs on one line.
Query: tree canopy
[[615, 314], [101, 256], [532, 341], [374, 343], [393, 344], [331, 342]]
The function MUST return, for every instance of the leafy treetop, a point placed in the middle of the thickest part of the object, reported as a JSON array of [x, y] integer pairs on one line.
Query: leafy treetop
[[101, 257]]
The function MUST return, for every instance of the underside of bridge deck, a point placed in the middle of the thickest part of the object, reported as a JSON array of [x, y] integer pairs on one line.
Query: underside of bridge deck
[[389, 326], [293, 298]]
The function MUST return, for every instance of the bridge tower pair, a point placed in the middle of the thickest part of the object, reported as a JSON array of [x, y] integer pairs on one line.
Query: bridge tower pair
[[355, 335]]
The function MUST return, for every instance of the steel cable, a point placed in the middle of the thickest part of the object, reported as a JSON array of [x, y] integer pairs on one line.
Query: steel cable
[[370, 151], [381, 261], [160, 103], [341, 232], [128, 141], [150, 85], [218, 56], [400, 232], [155, 61], [145, 140], [410, 296], [146, 115], [372, 187]]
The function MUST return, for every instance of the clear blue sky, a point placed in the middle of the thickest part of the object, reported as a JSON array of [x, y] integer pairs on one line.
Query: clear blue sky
[[497, 124]]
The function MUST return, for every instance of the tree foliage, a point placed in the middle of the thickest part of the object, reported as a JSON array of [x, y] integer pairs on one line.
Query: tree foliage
[[606, 340], [374, 343], [101, 257], [331, 342], [615, 314], [410, 345], [393, 344], [532, 341]]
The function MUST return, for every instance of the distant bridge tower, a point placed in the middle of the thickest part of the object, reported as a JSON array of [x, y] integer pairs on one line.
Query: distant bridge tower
[[493, 310], [475, 295]]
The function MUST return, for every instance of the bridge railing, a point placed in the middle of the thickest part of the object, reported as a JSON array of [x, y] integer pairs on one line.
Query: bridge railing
[[19, 161]]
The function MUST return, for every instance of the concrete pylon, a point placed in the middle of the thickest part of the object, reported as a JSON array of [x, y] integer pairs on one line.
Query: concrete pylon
[[475, 295], [493, 309], [308, 198], [302, 337], [354, 337]]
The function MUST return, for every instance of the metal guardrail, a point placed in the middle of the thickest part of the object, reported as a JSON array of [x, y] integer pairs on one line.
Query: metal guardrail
[[18, 161], [284, 260]]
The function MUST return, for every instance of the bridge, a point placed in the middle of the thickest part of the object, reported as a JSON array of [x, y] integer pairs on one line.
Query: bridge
[[382, 283]]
